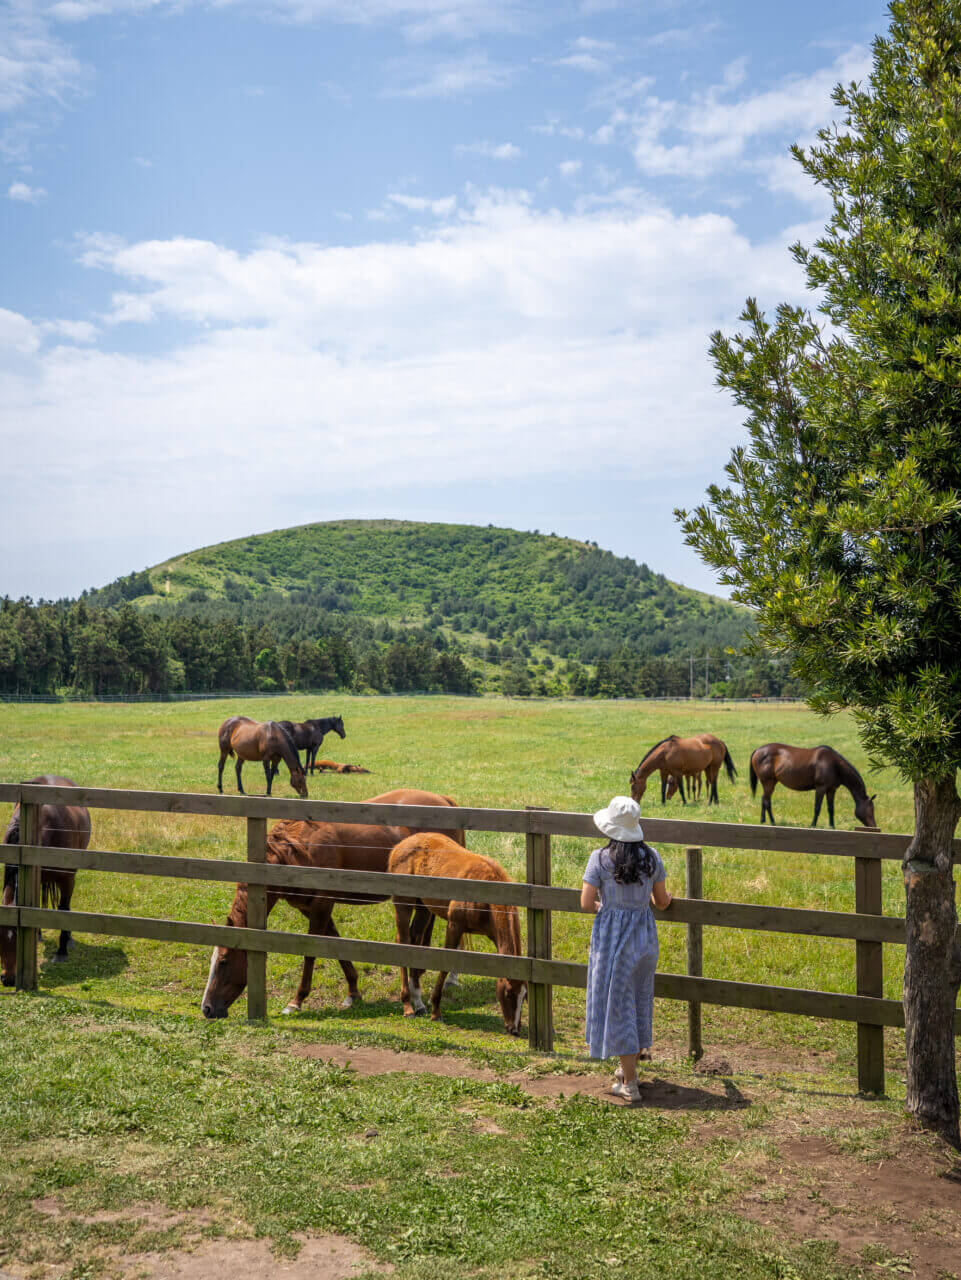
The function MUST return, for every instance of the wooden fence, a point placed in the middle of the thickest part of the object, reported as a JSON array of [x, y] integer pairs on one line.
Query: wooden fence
[[866, 926]]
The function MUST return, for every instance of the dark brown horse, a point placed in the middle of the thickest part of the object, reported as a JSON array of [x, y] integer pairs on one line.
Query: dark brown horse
[[307, 735], [62, 826], [313, 844], [250, 740], [438, 855], [818, 769], [678, 758]]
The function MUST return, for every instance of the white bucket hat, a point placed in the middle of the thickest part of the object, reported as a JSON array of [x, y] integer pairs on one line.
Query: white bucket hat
[[621, 820]]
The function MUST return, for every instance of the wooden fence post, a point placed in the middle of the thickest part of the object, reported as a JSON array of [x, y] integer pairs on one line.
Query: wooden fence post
[[256, 919], [870, 976], [695, 951], [28, 895], [540, 995]]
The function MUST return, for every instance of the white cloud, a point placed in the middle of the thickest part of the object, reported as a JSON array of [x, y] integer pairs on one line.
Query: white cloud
[[24, 193], [715, 128], [583, 62], [569, 168], [554, 129], [450, 78], [34, 64], [492, 150], [301, 369], [441, 208], [72, 330]]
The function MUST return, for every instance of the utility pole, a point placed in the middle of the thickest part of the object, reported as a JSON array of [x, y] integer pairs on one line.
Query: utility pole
[[692, 677], [707, 684]]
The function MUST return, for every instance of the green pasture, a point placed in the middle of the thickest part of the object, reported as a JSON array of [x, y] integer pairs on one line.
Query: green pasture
[[486, 752]]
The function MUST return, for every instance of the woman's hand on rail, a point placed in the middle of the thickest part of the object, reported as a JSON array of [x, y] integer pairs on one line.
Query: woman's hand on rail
[[660, 897], [589, 898]]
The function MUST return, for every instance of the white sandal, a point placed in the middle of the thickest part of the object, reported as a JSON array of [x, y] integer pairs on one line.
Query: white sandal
[[631, 1090]]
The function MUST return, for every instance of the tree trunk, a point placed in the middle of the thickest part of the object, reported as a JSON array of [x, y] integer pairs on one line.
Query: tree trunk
[[932, 967]]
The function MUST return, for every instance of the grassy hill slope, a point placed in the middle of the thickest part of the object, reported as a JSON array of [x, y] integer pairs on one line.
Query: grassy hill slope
[[563, 597]]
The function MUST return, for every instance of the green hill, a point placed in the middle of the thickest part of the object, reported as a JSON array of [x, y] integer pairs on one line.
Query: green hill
[[564, 597]]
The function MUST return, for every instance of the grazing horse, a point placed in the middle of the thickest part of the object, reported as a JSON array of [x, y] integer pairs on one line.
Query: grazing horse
[[437, 855], [818, 769], [62, 826], [343, 845], [250, 740], [307, 735], [676, 758], [331, 766]]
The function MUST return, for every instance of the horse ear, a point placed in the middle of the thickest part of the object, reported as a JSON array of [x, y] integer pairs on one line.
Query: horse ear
[[873, 798]]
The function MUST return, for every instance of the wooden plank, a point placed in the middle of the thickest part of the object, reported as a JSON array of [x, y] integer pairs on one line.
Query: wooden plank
[[482, 963], [9, 792], [770, 839], [379, 883], [870, 977], [695, 951], [28, 895], [8, 917], [729, 915], [256, 919], [540, 1016]]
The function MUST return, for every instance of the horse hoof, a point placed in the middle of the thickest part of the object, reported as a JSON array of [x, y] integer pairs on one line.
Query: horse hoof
[[348, 1002], [57, 958], [289, 1009]]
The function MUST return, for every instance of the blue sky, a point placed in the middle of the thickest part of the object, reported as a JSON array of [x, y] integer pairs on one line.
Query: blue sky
[[268, 263]]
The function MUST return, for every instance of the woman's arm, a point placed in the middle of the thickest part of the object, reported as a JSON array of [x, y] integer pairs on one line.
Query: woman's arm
[[660, 897], [589, 899]]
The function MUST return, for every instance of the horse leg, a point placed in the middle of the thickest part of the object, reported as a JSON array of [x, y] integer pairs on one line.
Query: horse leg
[[455, 931], [220, 772], [663, 788], [350, 973], [240, 785], [818, 797], [767, 801], [830, 797], [422, 926], [402, 914], [66, 893], [268, 774]]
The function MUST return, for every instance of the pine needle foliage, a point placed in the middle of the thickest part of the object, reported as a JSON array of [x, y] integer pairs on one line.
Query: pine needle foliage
[[840, 522]]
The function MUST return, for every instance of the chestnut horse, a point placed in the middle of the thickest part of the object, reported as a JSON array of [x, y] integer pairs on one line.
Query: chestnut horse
[[678, 758], [331, 766], [818, 769], [250, 740], [62, 826], [437, 855], [346, 845]]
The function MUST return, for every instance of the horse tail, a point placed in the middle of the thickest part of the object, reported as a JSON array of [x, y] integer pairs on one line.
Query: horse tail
[[50, 894], [729, 765], [753, 778]]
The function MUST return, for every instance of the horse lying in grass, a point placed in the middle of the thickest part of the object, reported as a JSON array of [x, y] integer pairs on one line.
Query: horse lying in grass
[[62, 826], [818, 769], [250, 740], [331, 766], [437, 855], [345, 845]]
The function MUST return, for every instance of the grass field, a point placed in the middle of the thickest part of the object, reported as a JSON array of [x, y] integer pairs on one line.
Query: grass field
[[115, 1092]]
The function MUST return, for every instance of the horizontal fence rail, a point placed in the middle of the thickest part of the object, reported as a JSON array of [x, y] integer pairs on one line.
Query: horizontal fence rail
[[866, 926]]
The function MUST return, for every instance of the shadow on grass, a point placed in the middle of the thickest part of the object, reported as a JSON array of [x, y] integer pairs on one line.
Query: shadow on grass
[[85, 960]]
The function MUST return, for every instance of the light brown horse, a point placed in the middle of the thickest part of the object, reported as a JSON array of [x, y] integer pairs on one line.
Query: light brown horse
[[331, 766], [818, 769], [677, 758], [437, 855], [250, 740], [351, 846], [62, 826]]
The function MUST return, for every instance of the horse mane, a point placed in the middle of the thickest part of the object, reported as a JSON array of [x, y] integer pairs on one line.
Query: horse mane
[[850, 776], [669, 738]]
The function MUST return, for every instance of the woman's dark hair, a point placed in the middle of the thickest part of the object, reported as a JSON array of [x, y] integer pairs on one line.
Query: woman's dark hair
[[630, 860]]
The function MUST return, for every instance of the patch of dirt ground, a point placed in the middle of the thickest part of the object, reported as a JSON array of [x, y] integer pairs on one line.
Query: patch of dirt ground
[[321, 1258], [664, 1094], [902, 1213]]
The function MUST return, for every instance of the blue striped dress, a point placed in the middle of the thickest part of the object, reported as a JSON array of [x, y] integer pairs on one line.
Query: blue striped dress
[[621, 962]]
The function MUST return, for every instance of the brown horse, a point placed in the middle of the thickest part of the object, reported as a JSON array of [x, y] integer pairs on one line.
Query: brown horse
[[346, 845], [331, 766], [818, 769], [437, 855], [677, 758], [250, 740], [62, 826]]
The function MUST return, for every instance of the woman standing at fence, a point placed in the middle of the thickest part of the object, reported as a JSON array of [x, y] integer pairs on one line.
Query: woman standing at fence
[[621, 881]]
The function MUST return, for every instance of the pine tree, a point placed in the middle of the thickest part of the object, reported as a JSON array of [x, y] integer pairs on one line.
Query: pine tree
[[841, 519]]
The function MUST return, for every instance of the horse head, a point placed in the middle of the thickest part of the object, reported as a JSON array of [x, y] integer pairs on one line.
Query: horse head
[[638, 785], [338, 726], [225, 982], [8, 936], [864, 810], [299, 782], [511, 993]]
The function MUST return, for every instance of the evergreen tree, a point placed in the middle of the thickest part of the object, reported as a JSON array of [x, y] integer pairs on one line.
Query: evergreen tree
[[841, 520]]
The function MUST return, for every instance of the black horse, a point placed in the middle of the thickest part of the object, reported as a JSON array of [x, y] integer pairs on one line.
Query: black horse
[[307, 735]]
